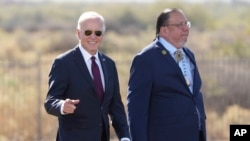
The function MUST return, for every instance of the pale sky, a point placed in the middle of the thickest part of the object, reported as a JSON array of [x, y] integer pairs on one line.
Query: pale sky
[[144, 0], [135, 1]]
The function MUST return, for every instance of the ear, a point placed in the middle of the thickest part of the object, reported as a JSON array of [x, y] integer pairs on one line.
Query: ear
[[78, 33], [164, 30]]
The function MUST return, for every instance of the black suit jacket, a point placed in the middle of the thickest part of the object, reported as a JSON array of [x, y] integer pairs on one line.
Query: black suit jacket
[[70, 78]]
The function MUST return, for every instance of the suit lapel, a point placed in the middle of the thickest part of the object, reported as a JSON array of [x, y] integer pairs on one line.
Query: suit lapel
[[105, 72], [196, 75], [79, 60], [166, 54]]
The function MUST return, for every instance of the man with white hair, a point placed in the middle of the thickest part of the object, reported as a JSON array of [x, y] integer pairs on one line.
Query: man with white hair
[[84, 88]]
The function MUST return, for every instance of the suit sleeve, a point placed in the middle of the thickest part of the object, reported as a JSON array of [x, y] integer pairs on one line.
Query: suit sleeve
[[117, 110], [139, 91], [57, 88]]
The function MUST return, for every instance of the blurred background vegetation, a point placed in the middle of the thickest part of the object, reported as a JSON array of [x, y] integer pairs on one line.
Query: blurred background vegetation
[[33, 34]]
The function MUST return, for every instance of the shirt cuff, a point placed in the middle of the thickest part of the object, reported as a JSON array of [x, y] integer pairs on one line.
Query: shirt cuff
[[61, 108], [125, 139]]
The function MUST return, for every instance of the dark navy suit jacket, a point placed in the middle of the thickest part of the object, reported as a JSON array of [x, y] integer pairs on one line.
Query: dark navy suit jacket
[[70, 78], [160, 105]]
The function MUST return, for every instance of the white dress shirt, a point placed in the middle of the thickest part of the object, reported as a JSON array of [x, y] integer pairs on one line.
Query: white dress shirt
[[185, 64]]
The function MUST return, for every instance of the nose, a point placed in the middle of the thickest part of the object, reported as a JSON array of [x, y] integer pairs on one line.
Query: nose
[[93, 35], [185, 28]]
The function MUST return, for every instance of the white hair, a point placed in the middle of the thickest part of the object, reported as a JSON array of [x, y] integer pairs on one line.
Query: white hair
[[88, 15]]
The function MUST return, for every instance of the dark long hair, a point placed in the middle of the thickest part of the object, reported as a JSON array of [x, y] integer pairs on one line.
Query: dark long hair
[[163, 19]]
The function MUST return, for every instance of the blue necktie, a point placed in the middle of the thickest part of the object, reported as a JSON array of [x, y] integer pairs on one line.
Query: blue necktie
[[97, 78]]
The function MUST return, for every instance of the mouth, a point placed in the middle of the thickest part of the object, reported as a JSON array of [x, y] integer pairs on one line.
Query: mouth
[[92, 42]]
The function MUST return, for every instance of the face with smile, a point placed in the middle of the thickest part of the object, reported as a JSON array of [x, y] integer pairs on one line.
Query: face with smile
[[90, 33], [176, 30]]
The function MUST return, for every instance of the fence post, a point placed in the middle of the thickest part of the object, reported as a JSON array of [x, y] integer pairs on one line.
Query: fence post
[[38, 63]]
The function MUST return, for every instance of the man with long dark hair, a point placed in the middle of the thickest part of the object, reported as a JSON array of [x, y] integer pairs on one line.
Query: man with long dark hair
[[164, 98]]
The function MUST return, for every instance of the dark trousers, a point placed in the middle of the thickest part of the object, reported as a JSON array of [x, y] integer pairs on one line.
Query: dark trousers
[[201, 137], [104, 138]]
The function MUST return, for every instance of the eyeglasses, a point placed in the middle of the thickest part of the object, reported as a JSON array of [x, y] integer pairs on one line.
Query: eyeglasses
[[89, 32], [180, 25]]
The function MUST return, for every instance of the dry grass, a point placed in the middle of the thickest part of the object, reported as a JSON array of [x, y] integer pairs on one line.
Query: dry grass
[[218, 125]]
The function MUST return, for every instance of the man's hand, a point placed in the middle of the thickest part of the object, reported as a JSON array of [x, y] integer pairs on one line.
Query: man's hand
[[69, 106]]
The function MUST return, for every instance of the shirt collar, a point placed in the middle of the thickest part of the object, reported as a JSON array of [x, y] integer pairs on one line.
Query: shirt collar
[[86, 55], [168, 46]]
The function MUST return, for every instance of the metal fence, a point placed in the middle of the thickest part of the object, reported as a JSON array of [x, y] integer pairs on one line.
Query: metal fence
[[23, 87]]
